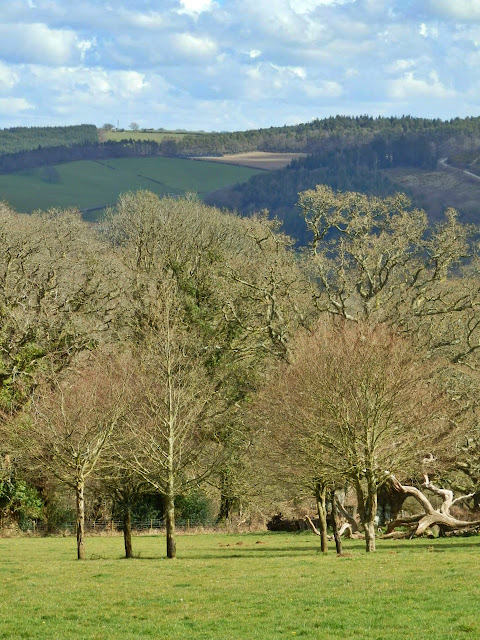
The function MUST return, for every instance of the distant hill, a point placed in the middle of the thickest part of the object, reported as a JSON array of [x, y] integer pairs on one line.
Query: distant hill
[[19, 139], [372, 155]]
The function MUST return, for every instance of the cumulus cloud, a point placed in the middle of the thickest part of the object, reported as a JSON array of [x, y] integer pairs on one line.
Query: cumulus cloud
[[195, 7], [36, 42], [11, 106], [408, 87], [8, 77], [194, 47]]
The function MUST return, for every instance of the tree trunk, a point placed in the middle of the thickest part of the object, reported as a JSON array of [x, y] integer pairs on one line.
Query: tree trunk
[[80, 524], [336, 533], [127, 532], [321, 499], [369, 536], [367, 507], [170, 525]]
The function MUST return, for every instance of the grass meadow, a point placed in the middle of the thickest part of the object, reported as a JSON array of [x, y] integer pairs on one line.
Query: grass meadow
[[90, 183], [156, 136], [239, 587]]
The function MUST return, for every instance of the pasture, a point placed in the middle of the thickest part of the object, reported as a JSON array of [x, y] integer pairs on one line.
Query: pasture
[[239, 587], [88, 183], [156, 136]]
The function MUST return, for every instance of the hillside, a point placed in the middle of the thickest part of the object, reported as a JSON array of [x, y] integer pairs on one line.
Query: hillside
[[91, 184], [18, 139]]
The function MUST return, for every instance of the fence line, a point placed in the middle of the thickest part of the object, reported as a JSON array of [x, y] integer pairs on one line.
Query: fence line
[[114, 526]]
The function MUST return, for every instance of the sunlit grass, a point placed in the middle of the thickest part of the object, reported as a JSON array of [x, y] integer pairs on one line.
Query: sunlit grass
[[239, 587], [88, 183]]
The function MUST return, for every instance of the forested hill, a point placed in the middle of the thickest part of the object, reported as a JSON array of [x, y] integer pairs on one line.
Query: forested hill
[[19, 139], [445, 136], [278, 191]]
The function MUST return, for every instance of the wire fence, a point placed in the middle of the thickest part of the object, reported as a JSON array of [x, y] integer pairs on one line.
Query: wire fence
[[112, 527]]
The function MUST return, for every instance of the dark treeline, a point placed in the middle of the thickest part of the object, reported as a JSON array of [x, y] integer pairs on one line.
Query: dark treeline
[[56, 155], [19, 139], [335, 132]]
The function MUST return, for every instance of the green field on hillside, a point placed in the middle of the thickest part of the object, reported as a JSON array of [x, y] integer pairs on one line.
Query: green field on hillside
[[156, 136], [239, 587], [90, 183]]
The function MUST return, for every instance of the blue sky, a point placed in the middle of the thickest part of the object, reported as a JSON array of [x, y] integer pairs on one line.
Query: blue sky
[[235, 64]]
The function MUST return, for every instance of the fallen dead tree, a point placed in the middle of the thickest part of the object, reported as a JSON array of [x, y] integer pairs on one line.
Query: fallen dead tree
[[418, 524]]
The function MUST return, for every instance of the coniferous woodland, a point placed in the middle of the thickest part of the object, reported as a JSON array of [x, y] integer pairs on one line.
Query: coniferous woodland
[[18, 139], [179, 358]]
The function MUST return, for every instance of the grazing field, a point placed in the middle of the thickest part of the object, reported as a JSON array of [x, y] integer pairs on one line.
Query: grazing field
[[156, 136], [239, 587], [90, 183], [256, 159]]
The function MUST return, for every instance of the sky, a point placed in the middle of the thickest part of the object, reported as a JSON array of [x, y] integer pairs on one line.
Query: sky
[[235, 64]]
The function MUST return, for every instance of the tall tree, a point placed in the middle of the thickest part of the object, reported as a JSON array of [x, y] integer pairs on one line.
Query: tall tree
[[363, 395], [70, 421], [170, 423], [238, 286]]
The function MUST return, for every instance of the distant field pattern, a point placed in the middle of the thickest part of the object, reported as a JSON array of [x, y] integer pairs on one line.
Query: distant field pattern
[[89, 183], [256, 159]]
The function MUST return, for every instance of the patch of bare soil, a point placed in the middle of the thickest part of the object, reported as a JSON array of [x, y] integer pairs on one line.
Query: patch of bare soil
[[256, 159]]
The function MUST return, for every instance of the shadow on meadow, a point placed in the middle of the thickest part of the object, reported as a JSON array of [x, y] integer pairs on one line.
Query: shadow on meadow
[[237, 550]]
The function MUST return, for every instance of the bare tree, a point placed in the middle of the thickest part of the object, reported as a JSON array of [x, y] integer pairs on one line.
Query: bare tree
[[364, 396], [70, 422], [170, 424]]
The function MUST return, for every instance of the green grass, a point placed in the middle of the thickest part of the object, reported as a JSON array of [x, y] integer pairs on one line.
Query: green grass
[[229, 587], [156, 136], [89, 183]]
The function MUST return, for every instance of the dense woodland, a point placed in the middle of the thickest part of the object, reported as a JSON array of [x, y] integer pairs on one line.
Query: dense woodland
[[180, 356], [18, 139]]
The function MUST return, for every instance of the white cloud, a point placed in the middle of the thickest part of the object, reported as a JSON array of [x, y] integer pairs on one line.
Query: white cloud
[[150, 21], [195, 7], [8, 77], [401, 65], [266, 61], [409, 87], [192, 46], [309, 6], [84, 46], [464, 10], [428, 31], [322, 90], [36, 42], [11, 106]]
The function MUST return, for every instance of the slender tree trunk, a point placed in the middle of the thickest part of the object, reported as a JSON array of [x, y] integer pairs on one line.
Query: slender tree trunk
[[321, 499], [370, 513], [336, 534], [127, 532], [80, 524], [170, 524], [367, 507]]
